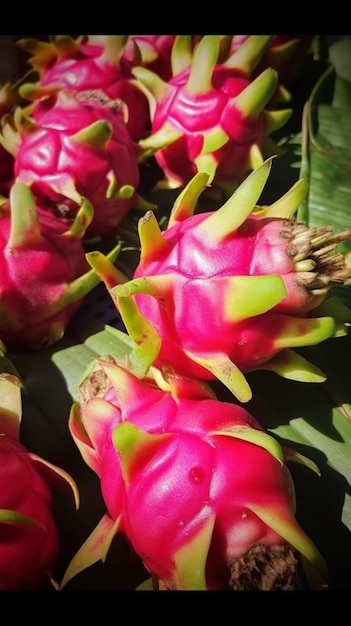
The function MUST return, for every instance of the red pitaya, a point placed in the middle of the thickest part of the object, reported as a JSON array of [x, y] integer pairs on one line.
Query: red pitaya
[[77, 65], [226, 292], [29, 540], [77, 147], [43, 270], [210, 116], [200, 490]]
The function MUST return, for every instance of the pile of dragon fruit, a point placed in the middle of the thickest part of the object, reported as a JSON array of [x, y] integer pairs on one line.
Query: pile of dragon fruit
[[199, 489]]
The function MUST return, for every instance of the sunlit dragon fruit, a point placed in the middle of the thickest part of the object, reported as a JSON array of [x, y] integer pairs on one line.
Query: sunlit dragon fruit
[[222, 293], [210, 116], [200, 490], [44, 273], [78, 64], [77, 147]]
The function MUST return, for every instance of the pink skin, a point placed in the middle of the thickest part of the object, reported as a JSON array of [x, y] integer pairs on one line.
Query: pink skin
[[47, 159], [28, 552], [190, 484], [149, 408]]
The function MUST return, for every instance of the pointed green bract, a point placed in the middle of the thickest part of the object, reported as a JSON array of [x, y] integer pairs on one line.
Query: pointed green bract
[[91, 551], [151, 240], [204, 60], [257, 437], [290, 364], [269, 291], [186, 202], [257, 94], [221, 367], [247, 56], [232, 214], [288, 204], [96, 136], [25, 229], [190, 560]]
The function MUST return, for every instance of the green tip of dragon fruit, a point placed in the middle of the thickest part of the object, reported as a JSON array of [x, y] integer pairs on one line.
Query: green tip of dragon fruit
[[96, 136], [230, 291], [252, 100]]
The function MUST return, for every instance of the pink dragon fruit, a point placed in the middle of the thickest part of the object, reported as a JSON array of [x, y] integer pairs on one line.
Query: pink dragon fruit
[[29, 540], [77, 147], [225, 292], [44, 272], [80, 65], [210, 116], [200, 490]]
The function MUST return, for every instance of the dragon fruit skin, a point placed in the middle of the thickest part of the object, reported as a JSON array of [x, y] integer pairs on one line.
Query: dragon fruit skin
[[78, 147], [222, 293], [78, 65], [195, 484], [44, 272], [29, 539], [210, 116]]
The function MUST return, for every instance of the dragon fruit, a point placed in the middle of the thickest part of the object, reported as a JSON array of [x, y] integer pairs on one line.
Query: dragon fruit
[[76, 147], [44, 272], [29, 540], [225, 292], [210, 116], [200, 490], [80, 65]]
